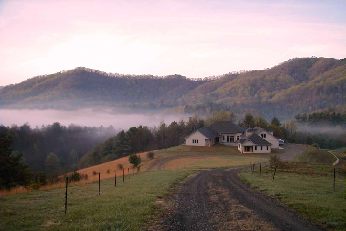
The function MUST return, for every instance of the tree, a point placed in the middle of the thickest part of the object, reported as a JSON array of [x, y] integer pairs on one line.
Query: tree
[[135, 160], [12, 171], [260, 122], [248, 121], [220, 116], [52, 164], [275, 122]]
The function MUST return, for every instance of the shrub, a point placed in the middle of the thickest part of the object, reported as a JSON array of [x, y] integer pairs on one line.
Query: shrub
[[35, 186], [75, 176], [150, 155], [135, 160], [120, 166]]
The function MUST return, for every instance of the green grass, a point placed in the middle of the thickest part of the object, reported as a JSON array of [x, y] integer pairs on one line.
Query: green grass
[[129, 206], [310, 194], [314, 155], [126, 207]]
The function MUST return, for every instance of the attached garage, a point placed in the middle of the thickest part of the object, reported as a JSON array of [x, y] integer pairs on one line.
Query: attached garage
[[201, 137]]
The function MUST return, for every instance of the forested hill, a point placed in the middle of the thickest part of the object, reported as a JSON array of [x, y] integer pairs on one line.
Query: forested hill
[[295, 86], [83, 87]]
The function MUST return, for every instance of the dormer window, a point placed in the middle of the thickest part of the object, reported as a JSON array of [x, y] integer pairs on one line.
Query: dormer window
[[263, 135]]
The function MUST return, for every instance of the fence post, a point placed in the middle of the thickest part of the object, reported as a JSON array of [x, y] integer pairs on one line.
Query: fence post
[[334, 180], [115, 178], [123, 175], [99, 183], [274, 173], [66, 185], [260, 169]]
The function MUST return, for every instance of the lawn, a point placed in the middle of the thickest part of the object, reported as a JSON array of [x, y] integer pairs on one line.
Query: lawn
[[197, 158], [128, 206], [307, 189], [125, 207]]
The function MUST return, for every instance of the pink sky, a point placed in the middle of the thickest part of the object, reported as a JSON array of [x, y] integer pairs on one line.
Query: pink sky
[[192, 38]]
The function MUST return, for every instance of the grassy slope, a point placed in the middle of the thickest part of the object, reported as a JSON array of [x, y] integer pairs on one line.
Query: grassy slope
[[310, 194], [127, 207]]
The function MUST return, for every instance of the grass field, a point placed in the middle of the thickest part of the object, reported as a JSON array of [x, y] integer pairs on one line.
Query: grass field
[[129, 206], [125, 207], [307, 189]]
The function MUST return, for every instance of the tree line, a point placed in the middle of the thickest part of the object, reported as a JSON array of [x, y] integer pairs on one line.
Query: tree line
[[47, 151], [328, 116], [41, 154]]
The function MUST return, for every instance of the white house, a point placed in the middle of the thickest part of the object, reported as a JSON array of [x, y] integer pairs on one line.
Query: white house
[[254, 144], [268, 136], [228, 133], [251, 140]]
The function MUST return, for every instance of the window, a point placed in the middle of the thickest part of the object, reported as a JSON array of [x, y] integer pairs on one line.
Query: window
[[261, 147], [267, 148], [237, 137], [263, 135], [255, 147], [194, 141]]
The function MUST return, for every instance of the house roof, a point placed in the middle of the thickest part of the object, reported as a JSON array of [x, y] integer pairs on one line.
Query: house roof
[[207, 132], [256, 139], [226, 127]]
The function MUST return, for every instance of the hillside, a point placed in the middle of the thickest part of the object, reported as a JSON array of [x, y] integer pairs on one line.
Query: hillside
[[295, 86], [84, 87]]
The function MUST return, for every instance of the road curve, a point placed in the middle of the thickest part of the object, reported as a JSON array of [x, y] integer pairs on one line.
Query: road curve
[[218, 200]]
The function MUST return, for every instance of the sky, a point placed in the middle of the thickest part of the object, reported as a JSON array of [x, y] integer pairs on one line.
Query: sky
[[195, 38]]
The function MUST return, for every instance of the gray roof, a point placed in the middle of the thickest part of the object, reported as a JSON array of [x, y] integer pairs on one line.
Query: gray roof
[[226, 127], [256, 139], [207, 132]]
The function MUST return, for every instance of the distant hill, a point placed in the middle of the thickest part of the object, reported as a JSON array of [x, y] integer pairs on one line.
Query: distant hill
[[295, 86], [83, 87]]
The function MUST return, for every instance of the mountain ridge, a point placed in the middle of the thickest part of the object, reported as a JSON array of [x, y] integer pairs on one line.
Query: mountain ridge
[[294, 86]]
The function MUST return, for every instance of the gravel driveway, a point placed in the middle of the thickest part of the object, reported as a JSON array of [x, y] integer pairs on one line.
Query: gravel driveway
[[218, 200]]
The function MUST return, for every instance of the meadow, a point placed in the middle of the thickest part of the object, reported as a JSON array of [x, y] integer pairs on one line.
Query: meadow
[[128, 206], [306, 188]]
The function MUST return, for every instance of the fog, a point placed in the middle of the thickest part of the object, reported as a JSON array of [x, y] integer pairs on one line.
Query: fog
[[86, 117], [335, 130]]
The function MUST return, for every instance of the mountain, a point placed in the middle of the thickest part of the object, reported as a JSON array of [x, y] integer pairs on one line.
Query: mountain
[[83, 87], [295, 86]]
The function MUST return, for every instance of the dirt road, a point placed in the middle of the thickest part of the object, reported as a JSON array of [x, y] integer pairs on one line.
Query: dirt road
[[218, 200]]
